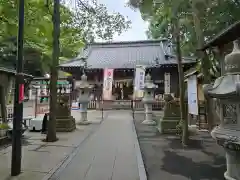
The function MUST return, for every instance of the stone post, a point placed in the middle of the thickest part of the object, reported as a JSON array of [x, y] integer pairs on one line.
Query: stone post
[[148, 100], [84, 89]]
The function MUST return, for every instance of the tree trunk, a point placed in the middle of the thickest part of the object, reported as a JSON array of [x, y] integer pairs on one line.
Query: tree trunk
[[200, 43], [206, 64], [183, 118], [3, 104], [51, 132]]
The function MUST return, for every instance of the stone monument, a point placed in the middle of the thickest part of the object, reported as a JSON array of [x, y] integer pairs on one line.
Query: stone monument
[[64, 121], [227, 90], [148, 100], [171, 115], [84, 89]]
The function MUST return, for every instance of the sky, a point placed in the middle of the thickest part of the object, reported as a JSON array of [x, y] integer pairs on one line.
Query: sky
[[138, 26]]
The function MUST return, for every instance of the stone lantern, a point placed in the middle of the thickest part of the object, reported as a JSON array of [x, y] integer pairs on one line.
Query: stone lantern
[[148, 100], [84, 89], [226, 90]]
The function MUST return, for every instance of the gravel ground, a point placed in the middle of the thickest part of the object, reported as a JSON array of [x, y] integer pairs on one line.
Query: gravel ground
[[165, 159]]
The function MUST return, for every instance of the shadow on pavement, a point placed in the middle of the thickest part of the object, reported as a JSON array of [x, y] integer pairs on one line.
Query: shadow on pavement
[[193, 170], [165, 157]]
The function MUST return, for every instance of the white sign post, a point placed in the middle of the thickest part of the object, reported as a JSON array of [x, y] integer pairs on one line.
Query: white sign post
[[192, 95], [139, 81], [167, 83]]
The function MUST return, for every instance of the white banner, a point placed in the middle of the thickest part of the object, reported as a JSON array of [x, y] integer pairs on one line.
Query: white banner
[[139, 81], [167, 83], [107, 84], [192, 95]]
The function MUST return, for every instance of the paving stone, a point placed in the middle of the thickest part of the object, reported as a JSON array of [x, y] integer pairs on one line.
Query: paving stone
[[108, 154], [40, 158]]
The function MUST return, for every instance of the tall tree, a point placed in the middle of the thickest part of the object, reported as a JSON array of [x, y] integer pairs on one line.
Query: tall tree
[[84, 22], [212, 16], [92, 11], [96, 22], [38, 32], [200, 21], [172, 11], [51, 132]]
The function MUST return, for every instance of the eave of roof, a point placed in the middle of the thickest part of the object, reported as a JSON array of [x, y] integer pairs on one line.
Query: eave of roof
[[226, 36], [13, 72]]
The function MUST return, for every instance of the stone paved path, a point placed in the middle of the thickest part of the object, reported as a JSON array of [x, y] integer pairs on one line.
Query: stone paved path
[[109, 154]]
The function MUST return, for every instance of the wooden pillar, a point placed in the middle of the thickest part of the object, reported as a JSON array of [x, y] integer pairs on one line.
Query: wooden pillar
[[221, 59]]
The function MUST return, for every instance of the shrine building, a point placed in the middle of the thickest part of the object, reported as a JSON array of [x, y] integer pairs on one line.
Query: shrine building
[[156, 55]]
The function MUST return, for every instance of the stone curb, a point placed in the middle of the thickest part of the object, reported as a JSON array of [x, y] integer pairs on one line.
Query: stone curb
[[141, 167], [53, 174]]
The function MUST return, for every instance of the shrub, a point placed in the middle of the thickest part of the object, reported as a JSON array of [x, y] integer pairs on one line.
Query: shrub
[[4, 126]]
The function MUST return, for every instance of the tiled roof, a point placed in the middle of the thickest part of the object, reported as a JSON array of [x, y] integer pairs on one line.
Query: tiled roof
[[73, 63], [224, 37], [12, 72], [121, 55]]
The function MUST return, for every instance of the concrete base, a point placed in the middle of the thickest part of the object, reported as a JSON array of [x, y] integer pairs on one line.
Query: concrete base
[[149, 122], [84, 123]]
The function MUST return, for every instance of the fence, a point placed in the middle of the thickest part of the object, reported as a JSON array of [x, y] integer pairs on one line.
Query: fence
[[128, 105], [119, 104], [136, 105]]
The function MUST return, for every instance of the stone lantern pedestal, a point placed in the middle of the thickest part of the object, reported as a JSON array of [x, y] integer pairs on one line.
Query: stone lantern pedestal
[[64, 121], [227, 90], [148, 100], [171, 115], [84, 89]]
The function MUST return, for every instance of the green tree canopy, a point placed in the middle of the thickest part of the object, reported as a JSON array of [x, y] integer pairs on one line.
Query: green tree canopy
[[84, 23], [213, 15]]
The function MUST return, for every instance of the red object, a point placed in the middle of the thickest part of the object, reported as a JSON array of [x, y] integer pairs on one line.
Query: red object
[[21, 92]]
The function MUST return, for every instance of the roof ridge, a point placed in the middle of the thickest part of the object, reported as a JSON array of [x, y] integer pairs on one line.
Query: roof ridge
[[121, 45], [128, 42]]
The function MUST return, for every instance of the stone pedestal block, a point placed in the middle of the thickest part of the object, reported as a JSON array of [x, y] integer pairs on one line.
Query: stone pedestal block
[[66, 124], [64, 121], [171, 116]]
